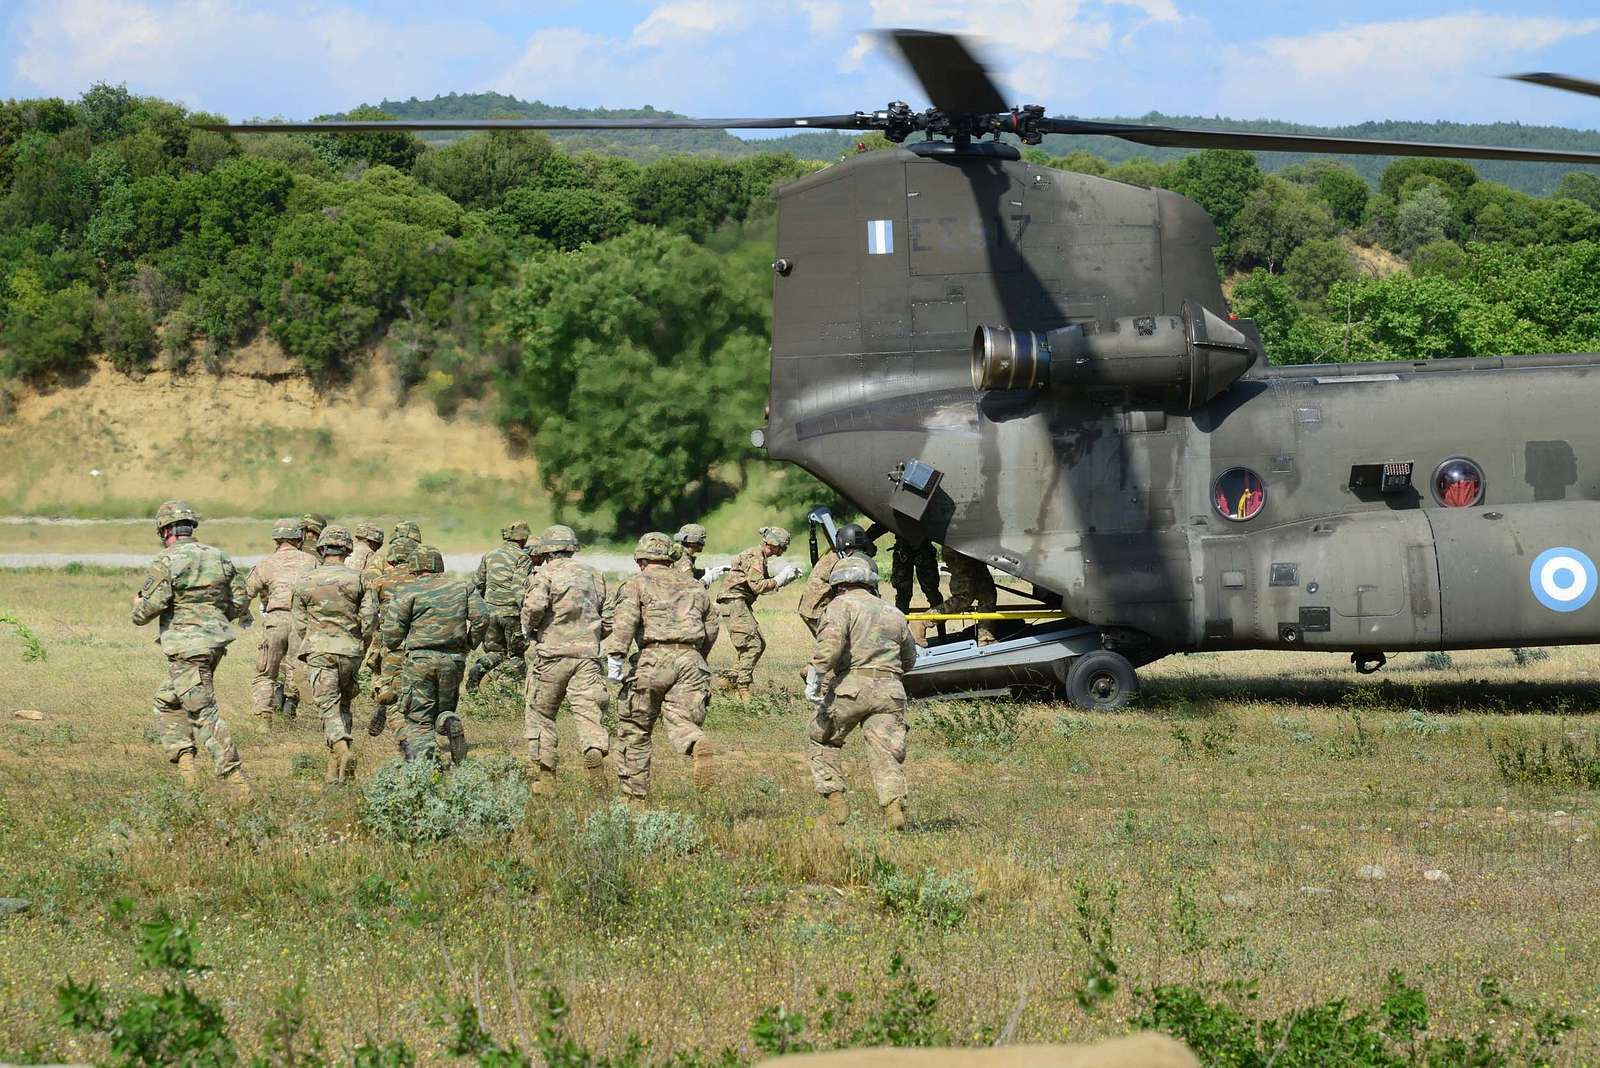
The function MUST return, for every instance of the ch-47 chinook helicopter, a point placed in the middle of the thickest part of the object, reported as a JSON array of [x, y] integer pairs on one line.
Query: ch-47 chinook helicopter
[[1038, 369]]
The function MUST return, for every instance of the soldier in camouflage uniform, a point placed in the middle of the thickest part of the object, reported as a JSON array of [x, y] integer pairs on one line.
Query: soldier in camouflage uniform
[[273, 581], [747, 579], [368, 540], [314, 523], [561, 618], [669, 615], [691, 538], [863, 648], [335, 613], [196, 593], [501, 581], [383, 666], [433, 621], [972, 589], [911, 564]]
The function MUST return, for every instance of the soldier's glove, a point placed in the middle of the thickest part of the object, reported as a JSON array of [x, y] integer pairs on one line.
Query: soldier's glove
[[614, 667], [813, 686], [788, 575], [714, 573]]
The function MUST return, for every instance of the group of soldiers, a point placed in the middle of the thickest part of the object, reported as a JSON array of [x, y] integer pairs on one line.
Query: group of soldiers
[[334, 600]]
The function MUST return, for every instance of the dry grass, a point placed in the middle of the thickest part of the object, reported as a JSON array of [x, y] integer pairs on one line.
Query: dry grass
[[1261, 784]]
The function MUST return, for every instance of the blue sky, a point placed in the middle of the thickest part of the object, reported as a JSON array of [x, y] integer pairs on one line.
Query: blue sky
[[1311, 62]]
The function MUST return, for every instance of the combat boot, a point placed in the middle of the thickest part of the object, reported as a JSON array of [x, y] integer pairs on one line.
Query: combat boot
[[743, 693], [340, 762], [237, 786], [331, 776], [475, 674], [837, 810], [456, 732], [544, 781], [277, 697], [594, 762], [919, 631], [380, 719], [894, 814], [291, 705], [704, 772], [186, 767]]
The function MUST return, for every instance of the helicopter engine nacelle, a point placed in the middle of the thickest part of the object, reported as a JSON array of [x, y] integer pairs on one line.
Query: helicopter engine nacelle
[[1192, 356]]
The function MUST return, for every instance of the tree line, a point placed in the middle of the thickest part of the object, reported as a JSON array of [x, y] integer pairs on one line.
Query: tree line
[[618, 313]]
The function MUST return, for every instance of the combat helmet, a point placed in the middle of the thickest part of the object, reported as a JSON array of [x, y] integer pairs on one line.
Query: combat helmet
[[290, 529], [427, 561], [406, 529], [534, 547], [517, 531], [854, 570], [370, 532], [172, 512], [776, 537], [654, 547], [400, 551], [334, 539], [558, 539], [852, 538], [691, 534], [315, 522]]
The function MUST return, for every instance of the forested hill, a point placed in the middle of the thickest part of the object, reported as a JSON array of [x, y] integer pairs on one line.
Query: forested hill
[[642, 147], [1537, 178]]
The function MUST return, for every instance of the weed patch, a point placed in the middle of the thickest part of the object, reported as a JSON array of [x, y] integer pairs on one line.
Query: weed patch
[[420, 801], [602, 877], [32, 649], [978, 728], [925, 897], [1567, 765]]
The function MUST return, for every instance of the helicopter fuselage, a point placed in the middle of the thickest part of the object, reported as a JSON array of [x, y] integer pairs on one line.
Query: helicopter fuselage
[[1375, 506]]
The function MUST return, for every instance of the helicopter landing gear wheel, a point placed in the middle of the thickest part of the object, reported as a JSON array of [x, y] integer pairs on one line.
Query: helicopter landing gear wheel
[[1101, 681]]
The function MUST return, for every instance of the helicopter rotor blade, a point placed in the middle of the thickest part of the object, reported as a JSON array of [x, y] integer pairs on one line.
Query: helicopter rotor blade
[[1182, 137], [813, 122], [1558, 81], [954, 79]]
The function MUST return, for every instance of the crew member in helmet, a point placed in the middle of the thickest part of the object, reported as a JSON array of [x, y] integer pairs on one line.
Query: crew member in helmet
[[274, 689], [501, 580], [197, 594], [863, 649], [850, 539]]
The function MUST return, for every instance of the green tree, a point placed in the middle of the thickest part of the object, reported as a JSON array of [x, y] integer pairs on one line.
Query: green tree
[[106, 111], [1317, 266], [1443, 258], [1276, 219], [1141, 170], [1455, 175], [1581, 186], [566, 218], [480, 171], [1221, 181], [125, 331], [1423, 217], [54, 339], [398, 150], [1081, 162]]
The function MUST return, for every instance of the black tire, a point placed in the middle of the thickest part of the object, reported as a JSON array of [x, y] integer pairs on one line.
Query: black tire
[[1101, 681]]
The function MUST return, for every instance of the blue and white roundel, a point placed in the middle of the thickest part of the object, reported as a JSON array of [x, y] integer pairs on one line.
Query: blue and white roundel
[[1563, 579]]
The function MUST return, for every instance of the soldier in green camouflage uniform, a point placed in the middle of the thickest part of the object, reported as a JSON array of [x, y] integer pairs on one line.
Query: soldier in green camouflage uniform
[[669, 615], [314, 523], [863, 648], [273, 581], [404, 541], [501, 581], [433, 621], [561, 619], [196, 593], [335, 613], [911, 564], [691, 539], [972, 589], [747, 579], [368, 540]]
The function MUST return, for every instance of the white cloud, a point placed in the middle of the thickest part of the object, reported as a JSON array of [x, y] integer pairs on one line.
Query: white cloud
[[691, 20], [289, 59], [1410, 67], [824, 16]]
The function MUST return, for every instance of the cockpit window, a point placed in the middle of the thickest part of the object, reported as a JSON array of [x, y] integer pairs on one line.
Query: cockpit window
[[1238, 494], [1458, 483]]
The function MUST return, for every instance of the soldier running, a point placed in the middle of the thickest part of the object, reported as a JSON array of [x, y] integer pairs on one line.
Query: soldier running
[[561, 620], [747, 579], [368, 540], [433, 621], [502, 579], [669, 615], [334, 614], [196, 593], [863, 648], [274, 690]]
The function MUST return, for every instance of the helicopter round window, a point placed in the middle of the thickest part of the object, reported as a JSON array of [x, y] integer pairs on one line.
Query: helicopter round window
[[1238, 494], [1458, 483]]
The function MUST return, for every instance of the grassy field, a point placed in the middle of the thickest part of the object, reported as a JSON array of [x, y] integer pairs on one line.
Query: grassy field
[[1239, 815]]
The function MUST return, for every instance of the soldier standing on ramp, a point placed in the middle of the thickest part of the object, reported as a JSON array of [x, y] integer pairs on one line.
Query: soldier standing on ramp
[[669, 614], [195, 592], [335, 613], [433, 621], [972, 589], [561, 619], [865, 647], [273, 581], [747, 580], [501, 581]]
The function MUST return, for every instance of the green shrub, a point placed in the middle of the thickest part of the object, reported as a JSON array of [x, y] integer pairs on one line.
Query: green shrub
[[420, 801], [979, 725], [1569, 765], [1436, 661], [126, 333], [57, 339], [1524, 657], [926, 897], [907, 1016], [602, 875]]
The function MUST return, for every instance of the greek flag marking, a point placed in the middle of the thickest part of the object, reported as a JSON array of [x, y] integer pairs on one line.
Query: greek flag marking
[[880, 237]]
